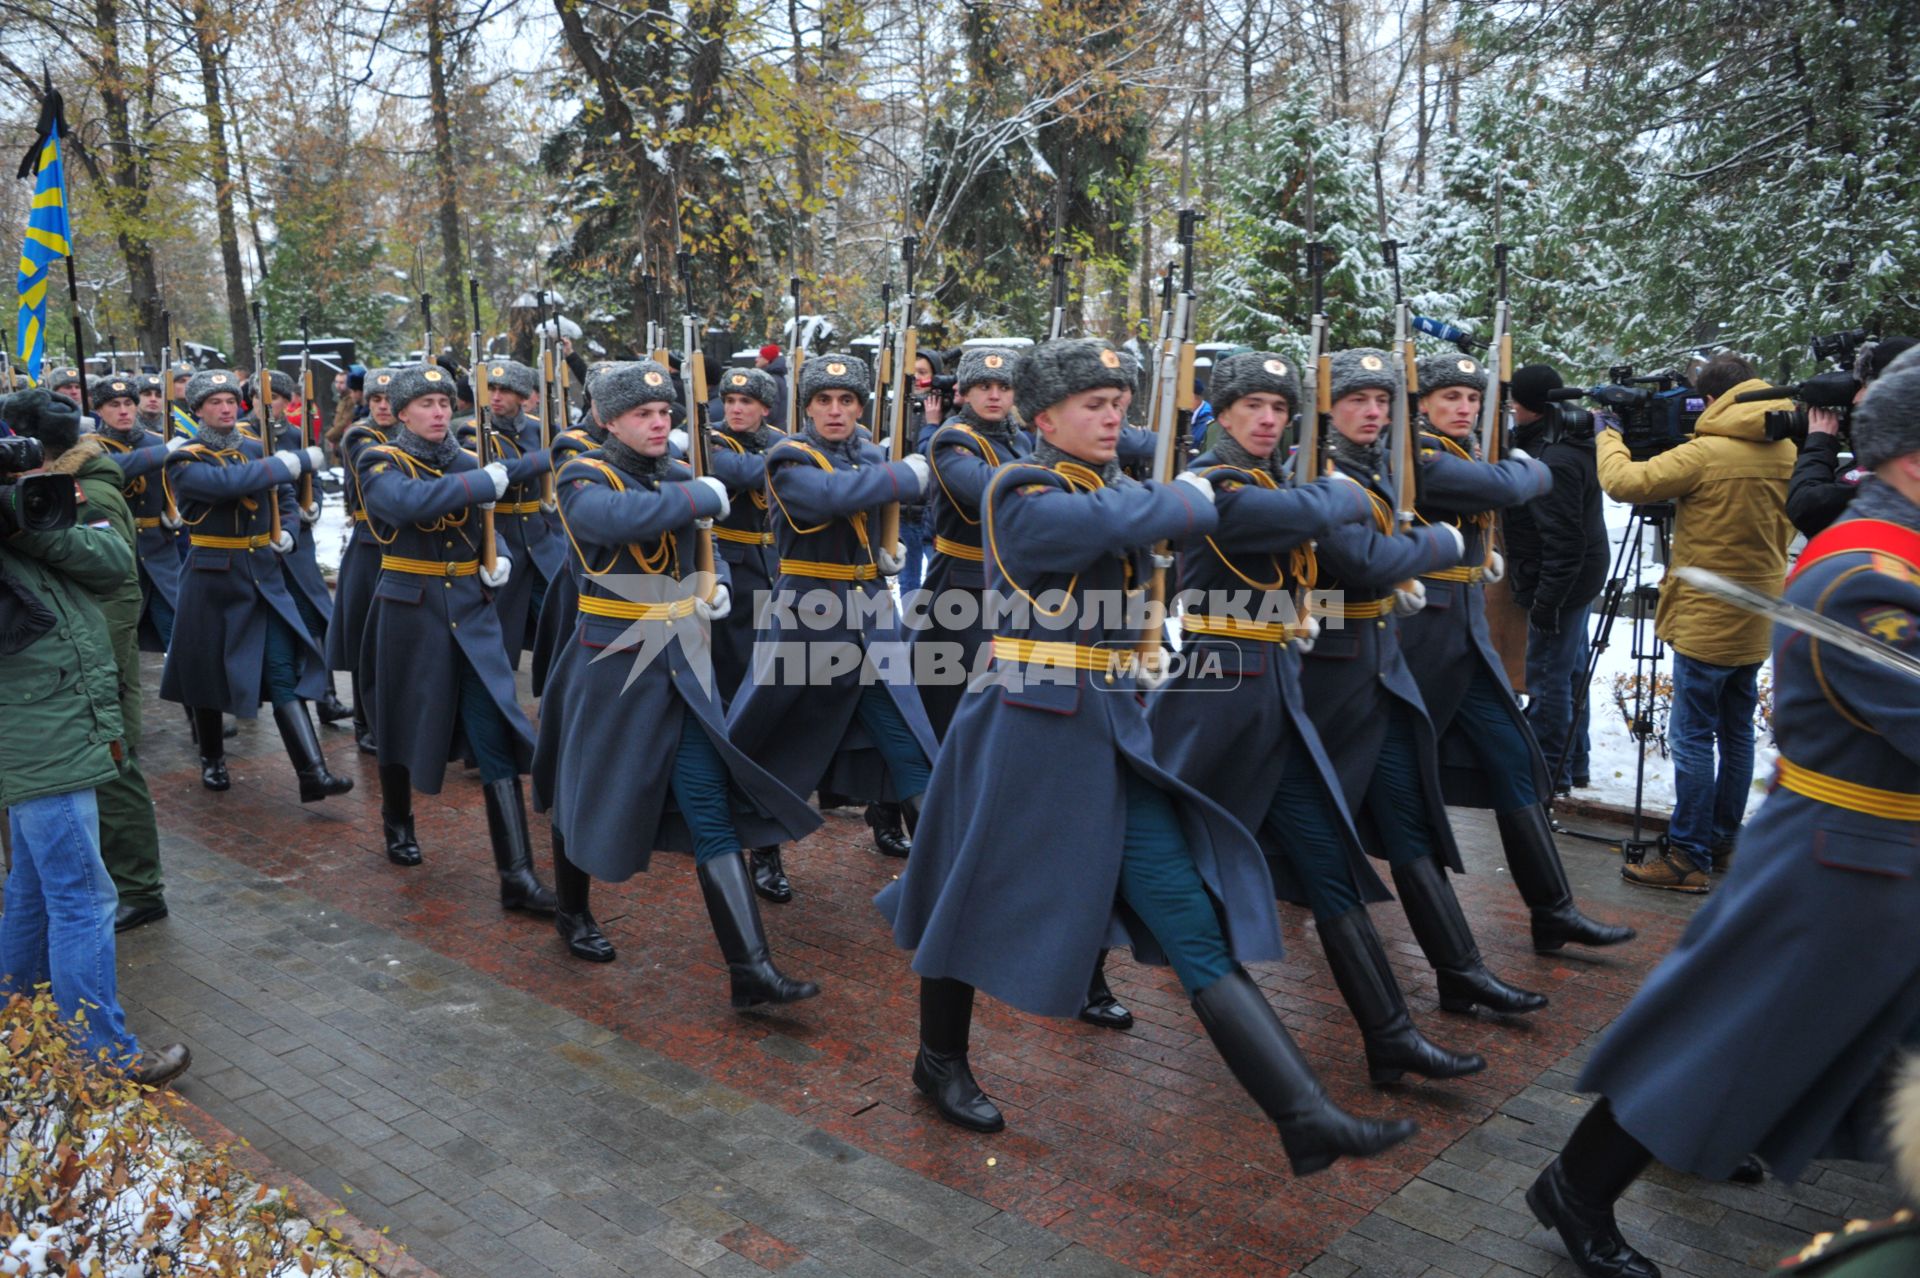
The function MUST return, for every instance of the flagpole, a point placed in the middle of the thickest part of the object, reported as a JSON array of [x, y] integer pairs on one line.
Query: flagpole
[[73, 292]]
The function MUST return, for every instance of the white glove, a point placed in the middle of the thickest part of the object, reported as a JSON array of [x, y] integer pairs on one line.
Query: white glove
[[310, 515], [294, 460], [720, 491], [717, 608], [1151, 674], [497, 472], [1163, 562], [502, 569], [892, 563], [1305, 642], [1519, 454], [677, 439], [1199, 483], [173, 522], [316, 457], [178, 442], [921, 470], [283, 544], [1496, 566], [1411, 599], [1459, 542]]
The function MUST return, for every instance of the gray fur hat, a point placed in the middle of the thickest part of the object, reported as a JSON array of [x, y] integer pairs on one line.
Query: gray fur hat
[[281, 383], [1886, 424], [148, 382], [1363, 368], [1054, 371], [1437, 372], [179, 368], [1255, 372], [511, 375], [620, 387], [411, 383], [379, 381], [756, 382], [208, 382], [984, 364], [65, 376], [835, 371], [113, 386]]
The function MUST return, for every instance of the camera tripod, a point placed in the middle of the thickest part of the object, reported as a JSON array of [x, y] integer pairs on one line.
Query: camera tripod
[[1624, 586]]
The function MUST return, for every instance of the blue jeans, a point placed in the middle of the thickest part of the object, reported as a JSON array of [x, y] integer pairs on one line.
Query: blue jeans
[[1712, 705], [914, 537], [58, 924], [1555, 666]]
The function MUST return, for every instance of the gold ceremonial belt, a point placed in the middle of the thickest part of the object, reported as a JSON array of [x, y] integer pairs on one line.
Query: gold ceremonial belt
[[960, 550], [1356, 612], [359, 516], [518, 507], [1472, 576], [1854, 797], [828, 572], [1045, 652], [743, 536], [627, 610], [208, 541], [1235, 628], [430, 567], [150, 522]]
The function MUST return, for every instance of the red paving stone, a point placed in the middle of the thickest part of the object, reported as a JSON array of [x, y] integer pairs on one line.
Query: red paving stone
[[1139, 1145]]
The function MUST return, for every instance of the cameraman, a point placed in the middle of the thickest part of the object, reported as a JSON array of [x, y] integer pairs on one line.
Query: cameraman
[[59, 698], [1818, 494], [1557, 552], [1728, 484]]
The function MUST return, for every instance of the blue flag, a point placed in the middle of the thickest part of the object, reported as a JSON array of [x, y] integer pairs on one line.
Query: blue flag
[[48, 238]]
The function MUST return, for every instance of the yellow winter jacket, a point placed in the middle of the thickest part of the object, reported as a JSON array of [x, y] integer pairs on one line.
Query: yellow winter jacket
[[1729, 488]]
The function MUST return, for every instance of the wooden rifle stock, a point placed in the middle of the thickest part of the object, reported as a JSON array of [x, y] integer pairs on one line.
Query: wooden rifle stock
[[482, 426], [909, 341], [263, 413], [693, 379], [166, 408]]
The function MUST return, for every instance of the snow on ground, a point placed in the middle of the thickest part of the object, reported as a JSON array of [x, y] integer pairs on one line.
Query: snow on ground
[[331, 533]]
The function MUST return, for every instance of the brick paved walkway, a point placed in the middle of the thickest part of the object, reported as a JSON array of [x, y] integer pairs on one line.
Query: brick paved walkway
[[451, 1075]]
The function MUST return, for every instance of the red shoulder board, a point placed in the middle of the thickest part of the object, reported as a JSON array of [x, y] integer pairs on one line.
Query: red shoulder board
[[1876, 536]]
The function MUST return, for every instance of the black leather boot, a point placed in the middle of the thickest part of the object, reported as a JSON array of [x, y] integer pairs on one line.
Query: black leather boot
[[1575, 1195], [1526, 836], [1102, 1008], [213, 748], [940, 1070], [520, 889], [889, 829], [571, 917], [1441, 928], [743, 939], [1394, 1046], [329, 707], [303, 751], [1264, 1057], [362, 725], [769, 877], [396, 815]]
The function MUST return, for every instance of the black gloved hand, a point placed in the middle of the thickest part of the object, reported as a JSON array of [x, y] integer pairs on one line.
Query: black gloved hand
[[1545, 620]]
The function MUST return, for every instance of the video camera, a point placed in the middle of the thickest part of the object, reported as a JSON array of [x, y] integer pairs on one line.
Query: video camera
[[1656, 412], [1834, 389], [32, 503]]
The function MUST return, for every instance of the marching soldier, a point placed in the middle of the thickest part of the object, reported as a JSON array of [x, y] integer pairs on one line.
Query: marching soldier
[[1795, 987], [1488, 755], [630, 760], [739, 451], [360, 561], [519, 519], [238, 636], [1250, 745], [141, 453], [150, 403], [554, 625], [309, 587], [830, 702], [1133, 853], [432, 662], [1365, 704]]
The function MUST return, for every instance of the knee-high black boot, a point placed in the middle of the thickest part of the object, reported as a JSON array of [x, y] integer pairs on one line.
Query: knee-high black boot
[[1526, 836], [1574, 1196], [520, 889], [303, 751], [1102, 1008], [1264, 1057], [940, 1070], [329, 708], [571, 917], [396, 815], [769, 876], [743, 938], [1441, 928], [213, 747], [1394, 1045]]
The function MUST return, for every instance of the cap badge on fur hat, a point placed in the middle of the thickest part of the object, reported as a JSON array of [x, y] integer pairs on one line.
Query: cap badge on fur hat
[[219, 379], [383, 379], [1110, 359], [1275, 367], [739, 379], [837, 369], [1468, 366], [496, 371], [653, 379], [431, 375], [1371, 363], [119, 386], [994, 361]]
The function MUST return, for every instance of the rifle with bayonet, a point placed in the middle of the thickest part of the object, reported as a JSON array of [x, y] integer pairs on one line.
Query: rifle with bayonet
[[906, 343], [544, 372], [794, 356], [883, 361], [1317, 385], [1400, 443], [1058, 326], [693, 379], [1160, 337], [1172, 404], [482, 419], [1496, 408], [263, 413], [309, 410], [172, 520]]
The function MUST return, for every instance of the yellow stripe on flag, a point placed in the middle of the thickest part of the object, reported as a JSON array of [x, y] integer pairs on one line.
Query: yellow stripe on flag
[[58, 243], [48, 199]]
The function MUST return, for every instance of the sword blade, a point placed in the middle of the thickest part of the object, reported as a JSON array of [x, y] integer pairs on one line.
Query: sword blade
[[1805, 620]]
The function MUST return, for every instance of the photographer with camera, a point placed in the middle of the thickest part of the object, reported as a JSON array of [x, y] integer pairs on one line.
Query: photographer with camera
[[60, 700], [1557, 562], [1728, 484], [1818, 493]]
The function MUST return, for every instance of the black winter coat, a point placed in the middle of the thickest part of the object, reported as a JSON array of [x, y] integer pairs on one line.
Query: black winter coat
[[1818, 493], [1557, 549]]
